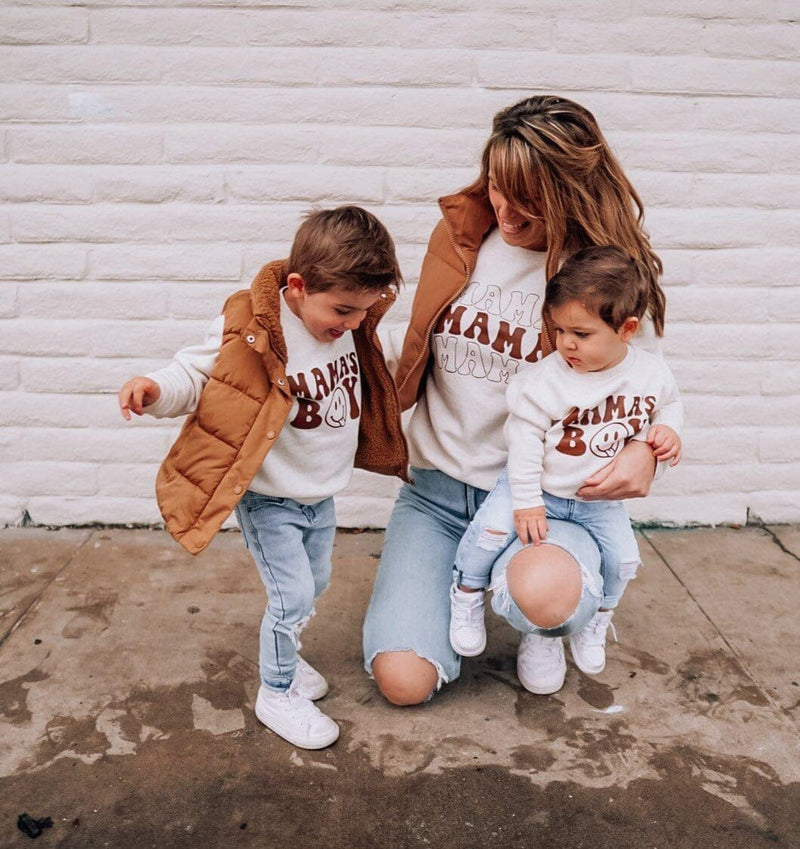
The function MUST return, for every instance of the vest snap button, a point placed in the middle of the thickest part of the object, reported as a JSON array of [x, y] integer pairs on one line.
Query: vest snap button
[[281, 381], [238, 488], [251, 338], [270, 434]]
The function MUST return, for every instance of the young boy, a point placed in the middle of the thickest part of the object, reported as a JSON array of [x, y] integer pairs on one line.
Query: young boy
[[568, 417], [288, 390]]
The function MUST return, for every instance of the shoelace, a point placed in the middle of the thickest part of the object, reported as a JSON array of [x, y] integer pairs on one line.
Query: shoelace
[[302, 707], [472, 611], [594, 634], [548, 644]]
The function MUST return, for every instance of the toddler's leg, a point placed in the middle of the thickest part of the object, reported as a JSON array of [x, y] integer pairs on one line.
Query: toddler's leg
[[609, 525], [488, 535], [274, 530]]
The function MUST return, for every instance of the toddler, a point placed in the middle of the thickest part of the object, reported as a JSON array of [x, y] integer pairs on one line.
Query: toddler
[[287, 392], [568, 417]]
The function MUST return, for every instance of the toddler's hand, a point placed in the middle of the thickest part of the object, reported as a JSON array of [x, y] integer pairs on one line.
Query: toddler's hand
[[137, 393], [531, 525], [666, 444]]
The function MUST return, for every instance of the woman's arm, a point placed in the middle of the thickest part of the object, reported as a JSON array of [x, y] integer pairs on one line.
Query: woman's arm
[[628, 475]]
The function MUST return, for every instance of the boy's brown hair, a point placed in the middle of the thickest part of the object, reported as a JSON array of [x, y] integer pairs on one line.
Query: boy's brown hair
[[345, 247], [606, 280]]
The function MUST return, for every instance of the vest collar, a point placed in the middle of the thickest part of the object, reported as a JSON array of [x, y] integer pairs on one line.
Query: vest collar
[[265, 298]]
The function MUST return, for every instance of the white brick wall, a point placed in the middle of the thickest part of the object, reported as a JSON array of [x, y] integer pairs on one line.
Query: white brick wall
[[153, 155]]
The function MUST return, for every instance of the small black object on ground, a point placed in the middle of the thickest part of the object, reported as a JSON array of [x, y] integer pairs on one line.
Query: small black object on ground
[[33, 827]]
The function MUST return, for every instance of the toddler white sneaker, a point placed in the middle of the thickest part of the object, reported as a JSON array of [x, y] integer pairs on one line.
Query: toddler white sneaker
[[310, 683], [467, 626], [541, 665], [295, 718], [588, 646]]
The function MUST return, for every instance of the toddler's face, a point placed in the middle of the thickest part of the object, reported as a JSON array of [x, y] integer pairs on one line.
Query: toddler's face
[[329, 315], [585, 341]]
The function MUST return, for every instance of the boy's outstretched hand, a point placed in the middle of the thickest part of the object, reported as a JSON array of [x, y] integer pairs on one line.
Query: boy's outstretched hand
[[666, 444], [137, 393], [531, 525]]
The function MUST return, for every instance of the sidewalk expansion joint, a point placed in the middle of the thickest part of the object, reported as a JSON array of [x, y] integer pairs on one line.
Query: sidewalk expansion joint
[[21, 618], [786, 717]]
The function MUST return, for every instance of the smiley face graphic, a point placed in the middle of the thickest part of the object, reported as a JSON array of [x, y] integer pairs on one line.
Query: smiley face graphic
[[337, 409], [608, 441]]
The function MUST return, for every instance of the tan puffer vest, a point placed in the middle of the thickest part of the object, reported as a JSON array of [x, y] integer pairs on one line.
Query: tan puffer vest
[[245, 404], [446, 269]]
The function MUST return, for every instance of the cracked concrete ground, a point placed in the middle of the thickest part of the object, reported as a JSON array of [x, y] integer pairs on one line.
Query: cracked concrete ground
[[128, 672]]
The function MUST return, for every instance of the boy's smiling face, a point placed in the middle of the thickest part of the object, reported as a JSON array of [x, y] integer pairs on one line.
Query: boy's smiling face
[[330, 314], [585, 341]]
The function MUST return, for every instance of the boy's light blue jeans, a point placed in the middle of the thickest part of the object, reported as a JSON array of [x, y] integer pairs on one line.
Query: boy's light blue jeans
[[291, 544], [492, 531], [410, 605]]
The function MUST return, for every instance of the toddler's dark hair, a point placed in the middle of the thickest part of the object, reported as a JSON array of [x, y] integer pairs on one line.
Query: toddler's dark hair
[[606, 280], [346, 247]]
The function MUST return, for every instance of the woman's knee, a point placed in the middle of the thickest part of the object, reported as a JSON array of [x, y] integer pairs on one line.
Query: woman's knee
[[546, 584], [403, 677]]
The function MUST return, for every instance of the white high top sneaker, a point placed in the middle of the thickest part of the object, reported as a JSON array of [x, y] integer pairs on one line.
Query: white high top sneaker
[[541, 665], [588, 646], [310, 683], [467, 626], [295, 718]]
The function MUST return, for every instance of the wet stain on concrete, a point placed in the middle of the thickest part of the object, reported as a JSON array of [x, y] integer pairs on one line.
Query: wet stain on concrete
[[532, 758], [647, 662], [255, 791], [716, 677], [91, 617], [70, 734], [594, 692], [14, 696]]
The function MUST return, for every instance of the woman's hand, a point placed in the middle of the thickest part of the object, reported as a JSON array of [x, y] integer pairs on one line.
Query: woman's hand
[[137, 393], [531, 525], [628, 475]]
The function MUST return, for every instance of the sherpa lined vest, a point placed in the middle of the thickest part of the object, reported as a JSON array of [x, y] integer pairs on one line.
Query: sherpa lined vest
[[245, 404]]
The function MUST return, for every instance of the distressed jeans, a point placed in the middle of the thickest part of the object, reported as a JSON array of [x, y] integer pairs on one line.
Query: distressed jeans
[[291, 544], [492, 531]]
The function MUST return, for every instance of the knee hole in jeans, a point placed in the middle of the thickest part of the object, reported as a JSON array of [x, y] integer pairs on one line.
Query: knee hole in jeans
[[492, 540]]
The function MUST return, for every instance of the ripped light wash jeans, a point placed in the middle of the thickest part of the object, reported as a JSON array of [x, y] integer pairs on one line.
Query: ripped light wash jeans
[[410, 605], [492, 531], [291, 544]]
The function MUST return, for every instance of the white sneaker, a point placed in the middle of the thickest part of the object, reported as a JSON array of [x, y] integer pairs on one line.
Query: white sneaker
[[541, 665], [310, 684], [588, 646], [467, 628], [295, 718]]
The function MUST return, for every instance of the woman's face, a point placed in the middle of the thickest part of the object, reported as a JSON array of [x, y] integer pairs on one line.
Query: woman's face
[[516, 229]]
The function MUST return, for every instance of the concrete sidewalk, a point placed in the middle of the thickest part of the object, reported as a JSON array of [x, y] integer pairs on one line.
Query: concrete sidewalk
[[128, 672]]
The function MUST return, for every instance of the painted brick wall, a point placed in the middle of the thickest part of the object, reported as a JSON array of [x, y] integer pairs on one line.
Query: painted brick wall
[[154, 154]]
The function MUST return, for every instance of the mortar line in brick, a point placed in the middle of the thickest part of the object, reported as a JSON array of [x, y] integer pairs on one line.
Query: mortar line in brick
[[785, 717], [21, 618]]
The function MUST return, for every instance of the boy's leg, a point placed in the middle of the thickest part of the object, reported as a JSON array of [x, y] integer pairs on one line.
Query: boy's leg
[[609, 525], [489, 534], [318, 542], [273, 529]]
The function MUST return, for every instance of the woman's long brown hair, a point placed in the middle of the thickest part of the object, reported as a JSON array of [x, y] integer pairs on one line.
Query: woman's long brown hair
[[549, 159]]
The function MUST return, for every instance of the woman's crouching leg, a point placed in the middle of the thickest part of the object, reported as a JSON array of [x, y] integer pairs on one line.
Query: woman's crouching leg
[[552, 589], [404, 678], [545, 583]]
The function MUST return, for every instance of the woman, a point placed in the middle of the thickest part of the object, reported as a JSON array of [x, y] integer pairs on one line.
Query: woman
[[549, 185]]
